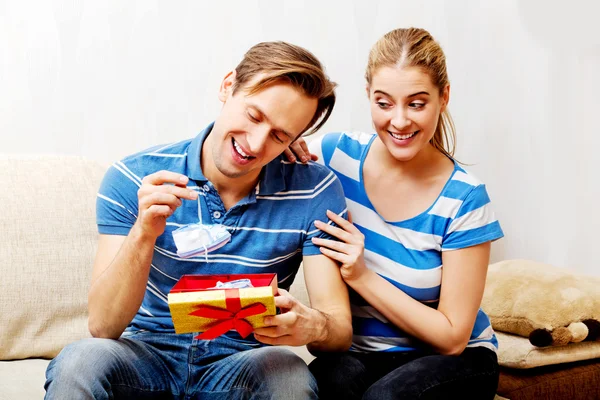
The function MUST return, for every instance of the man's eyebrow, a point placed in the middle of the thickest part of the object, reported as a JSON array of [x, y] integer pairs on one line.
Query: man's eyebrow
[[411, 95], [267, 118]]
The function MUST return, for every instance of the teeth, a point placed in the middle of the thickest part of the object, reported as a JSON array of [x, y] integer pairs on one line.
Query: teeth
[[403, 137], [239, 150]]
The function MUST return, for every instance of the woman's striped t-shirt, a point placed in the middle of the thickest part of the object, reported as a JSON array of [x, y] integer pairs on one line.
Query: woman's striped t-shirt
[[408, 253]]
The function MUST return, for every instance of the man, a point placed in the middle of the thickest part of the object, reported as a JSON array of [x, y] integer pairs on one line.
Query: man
[[232, 174]]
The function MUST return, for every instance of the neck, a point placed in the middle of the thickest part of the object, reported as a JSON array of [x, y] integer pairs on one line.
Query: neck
[[421, 165], [230, 189]]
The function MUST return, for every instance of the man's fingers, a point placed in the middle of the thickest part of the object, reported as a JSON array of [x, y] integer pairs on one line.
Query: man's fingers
[[162, 177], [157, 210], [281, 340], [182, 193], [278, 325], [284, 301], [159, 198]]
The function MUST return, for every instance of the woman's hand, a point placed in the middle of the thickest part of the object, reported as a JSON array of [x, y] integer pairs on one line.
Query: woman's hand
[[299, 150], [349, 251]]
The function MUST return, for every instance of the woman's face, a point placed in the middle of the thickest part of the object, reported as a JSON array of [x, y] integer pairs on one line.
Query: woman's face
[[405, 108]]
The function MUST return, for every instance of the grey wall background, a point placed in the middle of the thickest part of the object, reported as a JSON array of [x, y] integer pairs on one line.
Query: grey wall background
[[103, 79]]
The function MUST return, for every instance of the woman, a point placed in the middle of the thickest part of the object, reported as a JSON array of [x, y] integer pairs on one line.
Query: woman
[[416, 256]]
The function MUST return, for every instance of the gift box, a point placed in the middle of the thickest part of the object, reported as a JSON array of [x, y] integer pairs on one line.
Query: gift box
[[198, 306]]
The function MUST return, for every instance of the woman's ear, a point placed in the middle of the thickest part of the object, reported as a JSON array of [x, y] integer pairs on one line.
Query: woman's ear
[[445, 98], [226, 88]]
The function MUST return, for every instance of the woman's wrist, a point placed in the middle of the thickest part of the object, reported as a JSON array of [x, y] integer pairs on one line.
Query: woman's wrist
[[359, 280]]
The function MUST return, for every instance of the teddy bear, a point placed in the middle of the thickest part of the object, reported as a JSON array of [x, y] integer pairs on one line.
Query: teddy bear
[[549, 305]]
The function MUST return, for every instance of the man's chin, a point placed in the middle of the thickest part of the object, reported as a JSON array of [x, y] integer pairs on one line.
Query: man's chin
[[233, 173]]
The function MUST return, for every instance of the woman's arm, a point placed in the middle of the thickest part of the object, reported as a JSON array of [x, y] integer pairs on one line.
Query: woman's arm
[[446, 329]]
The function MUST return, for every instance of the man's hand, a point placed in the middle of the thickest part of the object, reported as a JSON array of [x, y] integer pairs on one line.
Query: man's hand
[[297, 324], [158, 198]]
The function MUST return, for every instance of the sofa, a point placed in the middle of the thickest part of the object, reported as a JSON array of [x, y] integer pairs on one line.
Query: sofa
[[47, 245]]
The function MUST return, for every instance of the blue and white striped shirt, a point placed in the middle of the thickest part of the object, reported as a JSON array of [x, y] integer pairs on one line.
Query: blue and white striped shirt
[[408, 254], [271, 228]]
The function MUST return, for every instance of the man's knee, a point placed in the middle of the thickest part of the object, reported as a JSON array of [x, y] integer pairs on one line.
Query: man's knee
[[85, 359], [284, 373]]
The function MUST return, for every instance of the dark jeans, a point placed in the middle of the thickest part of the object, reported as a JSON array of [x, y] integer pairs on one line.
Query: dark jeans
[[379, 376]]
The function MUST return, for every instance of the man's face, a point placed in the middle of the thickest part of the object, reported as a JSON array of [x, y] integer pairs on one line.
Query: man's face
[[252, 130]]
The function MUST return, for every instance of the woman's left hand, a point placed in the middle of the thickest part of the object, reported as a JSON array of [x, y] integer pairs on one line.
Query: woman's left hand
[[349, 251]]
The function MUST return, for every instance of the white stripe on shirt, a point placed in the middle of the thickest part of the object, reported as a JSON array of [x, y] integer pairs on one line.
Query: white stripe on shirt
[[477, 218], [369, 219], [345, 165]]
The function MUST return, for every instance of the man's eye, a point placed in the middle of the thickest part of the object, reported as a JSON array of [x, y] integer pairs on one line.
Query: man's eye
[[279, 137]]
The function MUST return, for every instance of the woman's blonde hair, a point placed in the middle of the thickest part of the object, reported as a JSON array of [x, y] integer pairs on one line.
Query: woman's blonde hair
[[415, 47]]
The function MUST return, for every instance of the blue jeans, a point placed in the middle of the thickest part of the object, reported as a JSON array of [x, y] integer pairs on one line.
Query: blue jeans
[[380, 376], [146, 365]]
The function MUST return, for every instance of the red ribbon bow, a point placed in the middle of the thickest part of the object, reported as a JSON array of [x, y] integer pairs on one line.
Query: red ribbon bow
[[231, 318]]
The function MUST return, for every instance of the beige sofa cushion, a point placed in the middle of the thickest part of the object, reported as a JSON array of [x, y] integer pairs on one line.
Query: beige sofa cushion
[[48, 239], [23, 380], [516, 352]]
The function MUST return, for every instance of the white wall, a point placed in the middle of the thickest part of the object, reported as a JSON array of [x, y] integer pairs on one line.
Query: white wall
[[107, 78]]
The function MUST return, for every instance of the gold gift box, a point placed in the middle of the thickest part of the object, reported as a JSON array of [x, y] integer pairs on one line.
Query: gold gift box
[[195, 292]]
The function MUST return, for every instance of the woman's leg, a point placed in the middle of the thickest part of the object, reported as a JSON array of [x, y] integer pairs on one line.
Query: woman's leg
[[471, 375], [349, 375]]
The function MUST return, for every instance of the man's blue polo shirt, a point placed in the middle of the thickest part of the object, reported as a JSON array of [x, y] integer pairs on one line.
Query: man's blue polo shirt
[[271, 228]]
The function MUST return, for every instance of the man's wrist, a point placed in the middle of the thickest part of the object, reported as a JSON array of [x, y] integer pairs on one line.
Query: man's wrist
[[141, 236], [322, 323]]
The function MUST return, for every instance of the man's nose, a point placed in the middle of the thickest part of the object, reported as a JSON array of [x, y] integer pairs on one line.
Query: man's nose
[[257, 139]]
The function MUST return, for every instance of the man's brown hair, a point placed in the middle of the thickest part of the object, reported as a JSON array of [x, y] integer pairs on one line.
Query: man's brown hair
[[281, 62]]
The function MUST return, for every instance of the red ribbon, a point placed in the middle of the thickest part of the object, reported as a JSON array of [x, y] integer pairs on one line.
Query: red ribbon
[[233, 317]]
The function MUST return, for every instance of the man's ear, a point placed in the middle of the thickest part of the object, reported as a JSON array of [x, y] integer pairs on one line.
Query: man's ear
[[226, 88], [445, 98]]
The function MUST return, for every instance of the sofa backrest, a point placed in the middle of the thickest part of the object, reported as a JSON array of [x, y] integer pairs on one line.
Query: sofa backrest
[[47, 244]]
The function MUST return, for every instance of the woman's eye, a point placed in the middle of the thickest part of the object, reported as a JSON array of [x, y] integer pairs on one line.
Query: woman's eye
[[252, 117], [416, 105], [382, 105]]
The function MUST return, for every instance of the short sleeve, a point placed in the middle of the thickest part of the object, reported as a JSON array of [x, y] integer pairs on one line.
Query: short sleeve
[[330, 197], [116, 204], [324, 146], [474, 223]]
